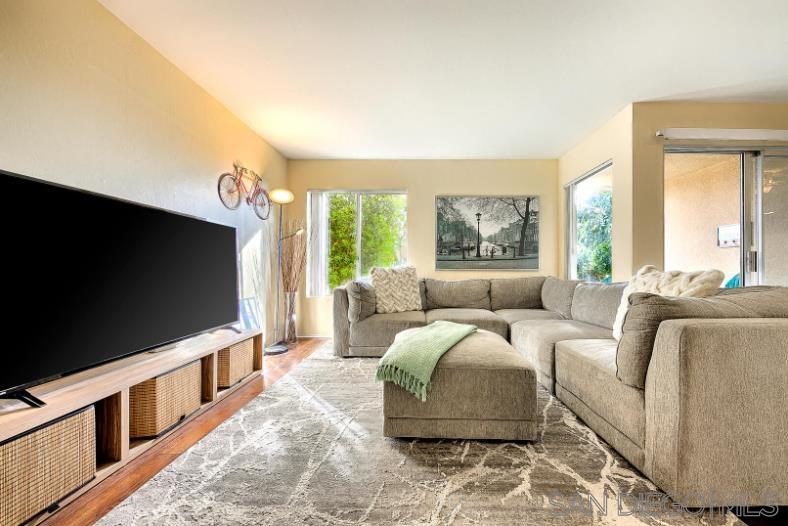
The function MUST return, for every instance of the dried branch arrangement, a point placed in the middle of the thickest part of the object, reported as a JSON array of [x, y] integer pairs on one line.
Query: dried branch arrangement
[[293, 264]]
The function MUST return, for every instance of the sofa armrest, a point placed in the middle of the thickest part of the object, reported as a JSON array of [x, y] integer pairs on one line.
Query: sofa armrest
[[717, 411], [341, 322]]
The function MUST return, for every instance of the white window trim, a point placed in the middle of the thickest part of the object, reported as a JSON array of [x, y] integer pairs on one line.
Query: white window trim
[[571, 218], [317, 248], [317, 251]]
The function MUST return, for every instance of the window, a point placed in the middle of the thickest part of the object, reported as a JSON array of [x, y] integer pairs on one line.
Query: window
[[351, 232], [590, 210]]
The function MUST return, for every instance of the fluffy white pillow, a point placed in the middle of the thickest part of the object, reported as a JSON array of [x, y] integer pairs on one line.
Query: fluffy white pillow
[[669, 283], [396, 289]]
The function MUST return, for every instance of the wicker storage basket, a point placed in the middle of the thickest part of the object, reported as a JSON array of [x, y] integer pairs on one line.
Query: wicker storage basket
[[39, 468], [235, 362], [158, 404]]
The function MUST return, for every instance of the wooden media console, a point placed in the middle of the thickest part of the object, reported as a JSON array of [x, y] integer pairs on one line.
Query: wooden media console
[[106, 391]]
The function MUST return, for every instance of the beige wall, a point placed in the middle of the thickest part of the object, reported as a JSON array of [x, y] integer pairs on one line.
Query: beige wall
[[86, 102], [611, 142], [630, 140], [423, 180], [701, 193], [648, 117]]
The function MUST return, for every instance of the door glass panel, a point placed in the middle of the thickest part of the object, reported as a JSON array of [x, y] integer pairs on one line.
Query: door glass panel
[[702, 213], [751, 214], [774, 221]]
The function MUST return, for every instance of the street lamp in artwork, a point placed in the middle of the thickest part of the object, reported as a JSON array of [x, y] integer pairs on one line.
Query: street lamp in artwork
[[478, 234]]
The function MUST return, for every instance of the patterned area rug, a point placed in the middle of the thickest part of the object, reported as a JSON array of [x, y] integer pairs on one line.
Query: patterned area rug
[[309, 450]]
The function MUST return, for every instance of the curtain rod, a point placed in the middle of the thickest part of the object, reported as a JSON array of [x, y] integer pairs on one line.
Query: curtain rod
[[723, 134]]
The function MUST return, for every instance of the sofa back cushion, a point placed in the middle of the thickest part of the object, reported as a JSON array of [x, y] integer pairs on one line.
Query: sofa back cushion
[[516, 293], [465, 294], [423, 292], [647, 311], [557, 295], [361, 300], [597, 303]]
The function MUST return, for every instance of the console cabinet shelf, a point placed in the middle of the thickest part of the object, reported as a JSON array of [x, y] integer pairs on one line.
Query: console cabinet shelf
[[106, 392]]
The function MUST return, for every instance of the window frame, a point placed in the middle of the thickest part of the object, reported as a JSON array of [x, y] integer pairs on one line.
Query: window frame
[[320, 236], [570, 246]]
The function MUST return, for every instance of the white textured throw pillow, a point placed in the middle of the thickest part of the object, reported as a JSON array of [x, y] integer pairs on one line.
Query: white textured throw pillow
[[667, 283], [396, 289]]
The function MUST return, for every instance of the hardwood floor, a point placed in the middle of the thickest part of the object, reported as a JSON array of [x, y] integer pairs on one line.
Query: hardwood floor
[[99, 500]]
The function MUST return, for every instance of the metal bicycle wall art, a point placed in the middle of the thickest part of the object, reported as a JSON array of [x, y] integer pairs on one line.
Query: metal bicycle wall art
[[487, 232], [242, 183]]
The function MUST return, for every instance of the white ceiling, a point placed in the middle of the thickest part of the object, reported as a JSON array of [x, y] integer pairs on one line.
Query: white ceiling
[[421, 79]]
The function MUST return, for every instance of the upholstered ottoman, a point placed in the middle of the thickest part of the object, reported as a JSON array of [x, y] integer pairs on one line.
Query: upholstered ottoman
[[482, 388]]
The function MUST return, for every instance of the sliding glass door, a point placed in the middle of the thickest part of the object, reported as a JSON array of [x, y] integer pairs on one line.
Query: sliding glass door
[[727, 209]]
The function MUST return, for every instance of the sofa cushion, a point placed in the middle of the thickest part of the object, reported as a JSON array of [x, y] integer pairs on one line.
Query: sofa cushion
[[483, 319], [361, 300], [536, 340], [514, 315], [423, 293], [396, 289], [557, 295], [379, 329], [647, 311], [587, 369], [516, 293], [465, 294], [596, 303]]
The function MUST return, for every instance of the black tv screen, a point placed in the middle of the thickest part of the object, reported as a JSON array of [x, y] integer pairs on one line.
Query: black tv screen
[[88, 279]]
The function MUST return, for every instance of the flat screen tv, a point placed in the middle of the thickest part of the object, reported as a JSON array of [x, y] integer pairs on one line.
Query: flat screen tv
[[88, 279]]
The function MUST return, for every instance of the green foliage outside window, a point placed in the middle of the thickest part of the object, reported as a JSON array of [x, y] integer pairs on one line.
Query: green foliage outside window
[[594, 234], [342, 239], [383, 218]]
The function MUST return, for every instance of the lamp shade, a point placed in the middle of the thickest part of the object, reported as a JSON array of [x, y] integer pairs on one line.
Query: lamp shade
[[281, 196]]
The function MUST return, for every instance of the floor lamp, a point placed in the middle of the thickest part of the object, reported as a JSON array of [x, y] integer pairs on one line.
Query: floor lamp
[[281, 197]]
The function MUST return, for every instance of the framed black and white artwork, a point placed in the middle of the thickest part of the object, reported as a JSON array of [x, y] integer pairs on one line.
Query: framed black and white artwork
[[487, 232]]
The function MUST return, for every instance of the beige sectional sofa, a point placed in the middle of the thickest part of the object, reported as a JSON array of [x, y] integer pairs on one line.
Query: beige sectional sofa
[[695, 395]]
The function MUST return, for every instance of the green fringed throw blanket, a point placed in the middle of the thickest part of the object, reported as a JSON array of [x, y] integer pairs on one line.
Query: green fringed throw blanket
[[412, 357]]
